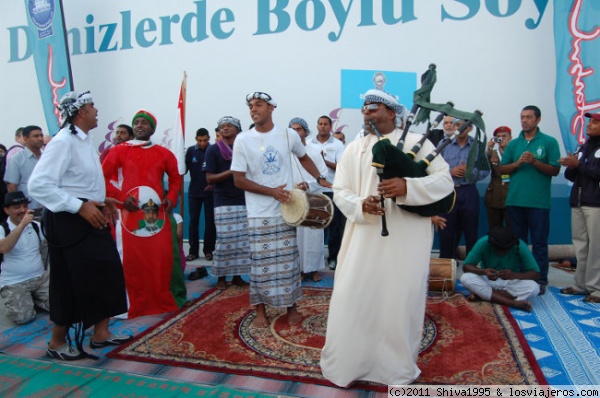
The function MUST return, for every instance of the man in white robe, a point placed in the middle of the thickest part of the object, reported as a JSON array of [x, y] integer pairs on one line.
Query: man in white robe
[[377, 307], [310, 240]]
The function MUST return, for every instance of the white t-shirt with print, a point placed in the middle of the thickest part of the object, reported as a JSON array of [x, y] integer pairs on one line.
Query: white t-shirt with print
[[266, 160]]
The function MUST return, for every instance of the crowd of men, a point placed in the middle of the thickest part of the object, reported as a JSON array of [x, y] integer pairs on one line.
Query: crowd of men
[[114, 249]]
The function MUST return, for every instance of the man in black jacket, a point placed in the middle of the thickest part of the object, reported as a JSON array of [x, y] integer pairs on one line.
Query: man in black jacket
[[583, 168]]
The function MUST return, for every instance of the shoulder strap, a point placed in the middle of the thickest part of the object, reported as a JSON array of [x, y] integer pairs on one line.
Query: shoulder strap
[[5, 227], [36, 229]]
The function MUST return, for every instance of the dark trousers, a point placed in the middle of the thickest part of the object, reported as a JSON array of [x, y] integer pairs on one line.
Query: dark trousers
[[497, 217], [210, 232], [463, 219], [529, 221], [335, 230]]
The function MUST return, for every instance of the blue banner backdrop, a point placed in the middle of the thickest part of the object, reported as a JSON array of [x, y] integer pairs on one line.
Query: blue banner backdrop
[[50, 55], [576, 33]]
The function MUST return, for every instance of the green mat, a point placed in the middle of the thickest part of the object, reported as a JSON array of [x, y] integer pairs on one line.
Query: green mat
[[21, 377]]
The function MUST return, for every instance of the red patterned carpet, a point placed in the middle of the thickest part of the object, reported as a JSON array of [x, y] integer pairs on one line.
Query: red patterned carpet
[[463, 342]]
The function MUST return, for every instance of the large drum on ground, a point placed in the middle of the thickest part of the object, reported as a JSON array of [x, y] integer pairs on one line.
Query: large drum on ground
[[307, 209], [442, 275]]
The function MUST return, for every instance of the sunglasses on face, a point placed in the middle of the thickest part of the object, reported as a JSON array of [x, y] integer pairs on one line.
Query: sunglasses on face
[[370, 107]]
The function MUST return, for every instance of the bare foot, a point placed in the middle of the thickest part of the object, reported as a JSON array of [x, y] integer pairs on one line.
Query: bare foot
[[473, 297], [316, 276], [238, 281], [261, 320], [293, 316], [522, 305], [222, 283]]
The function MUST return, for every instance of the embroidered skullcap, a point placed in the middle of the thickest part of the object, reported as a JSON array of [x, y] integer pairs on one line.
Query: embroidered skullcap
[[146, 115], [71, 102], [595, 116], [231, 120], [301, 122], [382, 97], [502, 129], [263, 96]]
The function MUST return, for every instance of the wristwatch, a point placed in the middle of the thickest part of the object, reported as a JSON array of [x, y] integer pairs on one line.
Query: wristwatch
[[319, 178]]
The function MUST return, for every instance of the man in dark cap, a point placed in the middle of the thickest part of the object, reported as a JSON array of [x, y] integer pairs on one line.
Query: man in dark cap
[[583, 169], [507, 272], [24, 283]]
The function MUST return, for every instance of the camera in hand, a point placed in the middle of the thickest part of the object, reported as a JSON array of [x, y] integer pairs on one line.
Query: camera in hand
[[497, 139]]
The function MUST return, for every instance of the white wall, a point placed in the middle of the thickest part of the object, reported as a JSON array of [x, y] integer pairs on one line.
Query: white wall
[[496, 64]]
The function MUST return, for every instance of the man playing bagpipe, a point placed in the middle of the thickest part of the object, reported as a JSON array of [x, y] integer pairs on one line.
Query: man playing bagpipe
[[375, 336]]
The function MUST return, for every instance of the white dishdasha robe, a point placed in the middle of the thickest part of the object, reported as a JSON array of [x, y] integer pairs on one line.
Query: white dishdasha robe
[[378, 302]]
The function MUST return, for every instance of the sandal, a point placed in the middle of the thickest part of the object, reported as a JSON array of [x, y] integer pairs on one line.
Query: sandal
[[191, 257], [199, 273], [570, 291], [591, 299]]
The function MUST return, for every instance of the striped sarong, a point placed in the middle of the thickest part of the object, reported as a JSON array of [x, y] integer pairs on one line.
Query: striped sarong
[[232, 251], [275, 272]]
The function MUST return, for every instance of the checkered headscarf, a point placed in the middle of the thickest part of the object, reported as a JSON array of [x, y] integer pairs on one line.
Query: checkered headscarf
[[231, 120], [70, 103]]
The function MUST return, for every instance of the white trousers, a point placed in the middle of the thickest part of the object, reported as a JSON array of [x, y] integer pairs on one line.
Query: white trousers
[[482, 286]]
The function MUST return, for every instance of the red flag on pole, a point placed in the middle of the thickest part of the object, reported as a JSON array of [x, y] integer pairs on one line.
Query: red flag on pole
[[178, 143]]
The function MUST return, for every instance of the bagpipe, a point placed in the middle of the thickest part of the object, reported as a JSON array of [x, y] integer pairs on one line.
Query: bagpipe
[[391, 161]]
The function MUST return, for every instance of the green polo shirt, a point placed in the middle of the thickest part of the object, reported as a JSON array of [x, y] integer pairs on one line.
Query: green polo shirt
[[528, 186], [516, 259]]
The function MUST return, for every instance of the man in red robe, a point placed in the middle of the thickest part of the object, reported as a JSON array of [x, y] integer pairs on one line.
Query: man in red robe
[[151, 259]]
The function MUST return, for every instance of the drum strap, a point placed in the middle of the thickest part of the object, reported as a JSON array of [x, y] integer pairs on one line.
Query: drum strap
[[287, 135]]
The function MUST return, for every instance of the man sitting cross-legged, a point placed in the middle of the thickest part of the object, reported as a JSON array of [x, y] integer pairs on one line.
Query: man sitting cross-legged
[[507, 273]]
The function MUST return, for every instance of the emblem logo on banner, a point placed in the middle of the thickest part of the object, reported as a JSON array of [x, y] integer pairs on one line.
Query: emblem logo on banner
[[50, 56], [41, 13]]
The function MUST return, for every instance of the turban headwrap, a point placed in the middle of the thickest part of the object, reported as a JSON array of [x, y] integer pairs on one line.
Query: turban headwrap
[[146, 115], [301, 122], [71, 102], [231, 120], [263, 96], [380, 96]]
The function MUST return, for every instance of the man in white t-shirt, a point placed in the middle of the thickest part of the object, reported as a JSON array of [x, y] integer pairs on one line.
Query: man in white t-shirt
[[331, 149], [23, 281], [261, 165]]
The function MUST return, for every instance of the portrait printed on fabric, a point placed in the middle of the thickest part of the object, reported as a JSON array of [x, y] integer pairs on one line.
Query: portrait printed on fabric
[[150, 219]]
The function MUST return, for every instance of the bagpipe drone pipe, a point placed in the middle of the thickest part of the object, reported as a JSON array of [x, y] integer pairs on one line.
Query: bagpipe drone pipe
[[391, 161]]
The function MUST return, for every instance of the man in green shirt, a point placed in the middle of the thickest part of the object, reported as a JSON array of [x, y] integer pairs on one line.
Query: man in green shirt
[[506, 273], [531, 159]]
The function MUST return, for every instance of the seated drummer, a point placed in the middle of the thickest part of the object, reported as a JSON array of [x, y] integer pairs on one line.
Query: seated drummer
[[507, 272]]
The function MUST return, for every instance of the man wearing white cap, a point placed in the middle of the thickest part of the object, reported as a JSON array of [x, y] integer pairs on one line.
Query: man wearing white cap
[[261, 166], [377, 307]]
